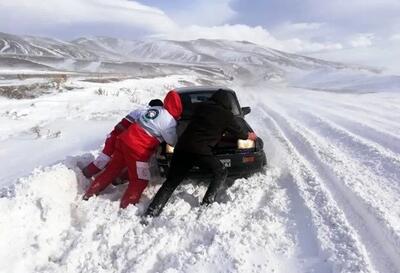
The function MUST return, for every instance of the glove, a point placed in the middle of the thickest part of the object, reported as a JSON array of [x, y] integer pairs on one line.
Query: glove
[[252, 136]]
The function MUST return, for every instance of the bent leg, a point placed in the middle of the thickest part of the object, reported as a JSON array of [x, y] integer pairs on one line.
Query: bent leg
[[135, 188], [137, 183], [217, 185], [180, 165], [112, 170], [133, 193], [102, 159]]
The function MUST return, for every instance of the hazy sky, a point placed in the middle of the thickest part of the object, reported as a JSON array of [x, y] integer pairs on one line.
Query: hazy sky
[[336, 29]]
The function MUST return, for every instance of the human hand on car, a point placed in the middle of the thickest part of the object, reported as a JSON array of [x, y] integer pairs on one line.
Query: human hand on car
[[252, 136]]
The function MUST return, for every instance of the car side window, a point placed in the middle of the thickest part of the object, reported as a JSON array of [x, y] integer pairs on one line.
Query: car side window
[[234, 105]]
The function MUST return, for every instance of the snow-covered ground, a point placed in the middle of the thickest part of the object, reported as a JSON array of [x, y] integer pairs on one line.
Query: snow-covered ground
[[41, 131], [328, 201]]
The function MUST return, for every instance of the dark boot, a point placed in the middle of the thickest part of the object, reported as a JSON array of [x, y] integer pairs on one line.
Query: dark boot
[[216, 187], [159, 201], [90, 170]]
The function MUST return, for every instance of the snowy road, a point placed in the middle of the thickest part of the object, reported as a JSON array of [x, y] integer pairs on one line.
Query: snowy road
[[327, 203], [341, 156]]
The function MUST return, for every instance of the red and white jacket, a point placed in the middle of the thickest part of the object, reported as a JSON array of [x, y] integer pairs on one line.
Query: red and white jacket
[[153, 126], [143, 129]]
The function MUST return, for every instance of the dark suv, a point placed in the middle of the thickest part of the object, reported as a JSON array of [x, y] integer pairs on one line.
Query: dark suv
[[241, 157]]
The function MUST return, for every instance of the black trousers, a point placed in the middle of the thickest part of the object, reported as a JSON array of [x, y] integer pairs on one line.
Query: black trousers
[[181, 163]]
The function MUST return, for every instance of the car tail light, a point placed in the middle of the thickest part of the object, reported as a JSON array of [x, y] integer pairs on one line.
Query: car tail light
[[246, 144], [248, 159], [169, 149]]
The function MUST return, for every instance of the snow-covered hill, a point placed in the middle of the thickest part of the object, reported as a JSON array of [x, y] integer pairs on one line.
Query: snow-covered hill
[[235, 59], [41, 46], [239, 52], [106, 48]]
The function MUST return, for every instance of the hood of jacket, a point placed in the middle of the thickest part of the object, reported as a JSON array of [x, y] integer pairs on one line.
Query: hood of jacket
[[221, 97], [173, 104]]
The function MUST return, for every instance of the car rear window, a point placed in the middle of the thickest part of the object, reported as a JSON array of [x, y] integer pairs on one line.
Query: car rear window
[[190, 100]]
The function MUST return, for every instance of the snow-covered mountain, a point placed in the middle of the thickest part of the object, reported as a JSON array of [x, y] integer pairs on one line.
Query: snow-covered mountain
[[43, 47], [213, 60], [235, 57], [106, 48], [240, 52]]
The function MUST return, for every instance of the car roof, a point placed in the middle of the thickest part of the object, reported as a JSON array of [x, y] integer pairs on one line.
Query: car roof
[[193, 89]]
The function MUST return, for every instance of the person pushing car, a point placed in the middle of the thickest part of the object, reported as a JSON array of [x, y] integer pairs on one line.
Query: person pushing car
[[135, 145], [195, 147], [105, 155]]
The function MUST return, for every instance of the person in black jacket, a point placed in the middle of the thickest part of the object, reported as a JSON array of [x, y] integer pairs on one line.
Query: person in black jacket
[[194, 147]]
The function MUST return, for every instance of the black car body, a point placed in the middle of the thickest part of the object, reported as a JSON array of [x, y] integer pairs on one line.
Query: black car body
[[242, 158]]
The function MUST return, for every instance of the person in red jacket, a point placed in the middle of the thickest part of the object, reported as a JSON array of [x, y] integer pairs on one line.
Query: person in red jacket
[[134, 146], [104, 157]]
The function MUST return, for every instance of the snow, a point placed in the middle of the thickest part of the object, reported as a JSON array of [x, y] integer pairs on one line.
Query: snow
[[68, 123], [348, 179], [6, 45], [328, 201], [18, 71], [354, 81], [22, 82]]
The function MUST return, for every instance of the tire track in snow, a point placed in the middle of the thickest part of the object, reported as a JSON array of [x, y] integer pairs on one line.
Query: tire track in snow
[[375, 197], [303, 229], [384, 139], [357, 175], [363, 130], [379, 105], [368, 164], [343, 106], [299, 213], [378, 119], [375, 193], [383, 163], [383, 253], [337, 240]]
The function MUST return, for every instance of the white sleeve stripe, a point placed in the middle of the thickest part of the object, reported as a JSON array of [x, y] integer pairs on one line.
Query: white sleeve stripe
[[129, 118], [101, 161]]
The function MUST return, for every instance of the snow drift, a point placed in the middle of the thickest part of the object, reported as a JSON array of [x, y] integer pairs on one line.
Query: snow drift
[[328, 201]]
